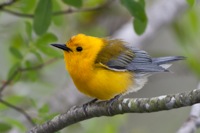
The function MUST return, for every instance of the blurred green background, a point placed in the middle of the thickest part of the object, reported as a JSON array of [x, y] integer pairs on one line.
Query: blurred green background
[[42, 86]]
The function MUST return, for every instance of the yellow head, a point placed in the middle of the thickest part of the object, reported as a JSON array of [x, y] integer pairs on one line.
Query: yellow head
[[83, 46], [81, 50]]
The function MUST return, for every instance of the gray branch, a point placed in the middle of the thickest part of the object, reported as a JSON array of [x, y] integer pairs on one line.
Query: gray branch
[[137, 105], [193, 121]]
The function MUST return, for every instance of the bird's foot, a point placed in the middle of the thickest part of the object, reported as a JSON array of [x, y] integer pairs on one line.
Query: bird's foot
[[88, 103], [111, 101]]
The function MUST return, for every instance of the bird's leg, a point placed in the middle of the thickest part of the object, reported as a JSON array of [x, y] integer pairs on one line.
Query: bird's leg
[[88, 103], [111, 101]]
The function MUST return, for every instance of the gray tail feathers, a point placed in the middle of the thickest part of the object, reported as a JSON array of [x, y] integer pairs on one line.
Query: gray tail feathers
[[166, 60]]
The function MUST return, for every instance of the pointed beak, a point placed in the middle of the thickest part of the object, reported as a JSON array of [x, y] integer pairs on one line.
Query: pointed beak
[[62, 46]]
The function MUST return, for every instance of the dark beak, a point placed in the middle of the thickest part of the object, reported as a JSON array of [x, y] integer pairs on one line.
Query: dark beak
[[62, 46]]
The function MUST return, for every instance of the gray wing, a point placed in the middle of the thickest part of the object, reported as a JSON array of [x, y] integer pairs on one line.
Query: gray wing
[[118, 57], [127, 59], [143, 63]]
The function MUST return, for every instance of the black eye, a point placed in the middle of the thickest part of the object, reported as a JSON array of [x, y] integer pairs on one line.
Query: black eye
[[79, 49]]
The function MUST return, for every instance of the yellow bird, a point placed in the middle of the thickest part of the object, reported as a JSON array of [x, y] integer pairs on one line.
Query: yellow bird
[[105, 68]]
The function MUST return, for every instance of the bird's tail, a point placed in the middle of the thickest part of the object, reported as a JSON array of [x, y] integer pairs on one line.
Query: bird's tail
[[165, 61]]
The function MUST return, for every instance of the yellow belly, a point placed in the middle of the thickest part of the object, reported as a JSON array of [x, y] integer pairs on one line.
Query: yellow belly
[[104, 84]]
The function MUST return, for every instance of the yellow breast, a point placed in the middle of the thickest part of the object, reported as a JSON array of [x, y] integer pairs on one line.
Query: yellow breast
[[98, 82], [106, 84]]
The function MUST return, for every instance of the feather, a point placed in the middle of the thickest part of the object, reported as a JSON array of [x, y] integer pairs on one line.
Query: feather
[[116, 56], [168, 59]]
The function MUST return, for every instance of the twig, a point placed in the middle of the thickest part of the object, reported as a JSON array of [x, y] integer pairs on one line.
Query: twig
[[190, 125], [8, 81], [198, 122], [68, 11], [139, 105], [38, 66], [18, 14], [192, 122], [20, 110], [24, 69], [7, 3]]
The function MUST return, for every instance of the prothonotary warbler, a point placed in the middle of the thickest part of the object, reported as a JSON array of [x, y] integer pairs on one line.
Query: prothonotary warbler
[[105, 68]]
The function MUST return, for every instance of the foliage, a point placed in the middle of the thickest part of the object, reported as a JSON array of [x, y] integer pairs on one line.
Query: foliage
[[42, 16], [137, 10], [187, 30]]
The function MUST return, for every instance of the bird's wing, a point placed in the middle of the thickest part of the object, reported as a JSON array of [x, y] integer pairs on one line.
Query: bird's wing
[[143, 63], [115, 56], [118, 57]]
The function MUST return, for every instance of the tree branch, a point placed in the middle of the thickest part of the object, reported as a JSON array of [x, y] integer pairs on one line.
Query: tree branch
[[192, 122], [138, 105], [68, 11], [20, 110]]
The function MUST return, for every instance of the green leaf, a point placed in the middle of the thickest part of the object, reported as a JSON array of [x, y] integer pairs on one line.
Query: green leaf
[[37, 55], [194, 63], [139, 26], [16, 123], [191, 2], [57, 19], [14, 70], [44, 114], [28, 63], [31, 76], [75, 3], [4, 127], [16, 100], [28, 29], [43, 43], [193, 18], [17, 41], [44, 109], [27, 5], [181, 34], [137, 10], [16, 53], [42, 16], [32, 102]]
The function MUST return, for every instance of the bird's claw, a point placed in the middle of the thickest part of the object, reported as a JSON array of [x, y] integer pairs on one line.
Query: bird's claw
[[110, 102], [88, 103]]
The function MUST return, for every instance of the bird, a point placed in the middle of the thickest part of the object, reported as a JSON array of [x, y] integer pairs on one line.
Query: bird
[[105, 68]]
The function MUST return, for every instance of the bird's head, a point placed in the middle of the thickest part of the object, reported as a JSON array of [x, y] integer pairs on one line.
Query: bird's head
[[81, 46]]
